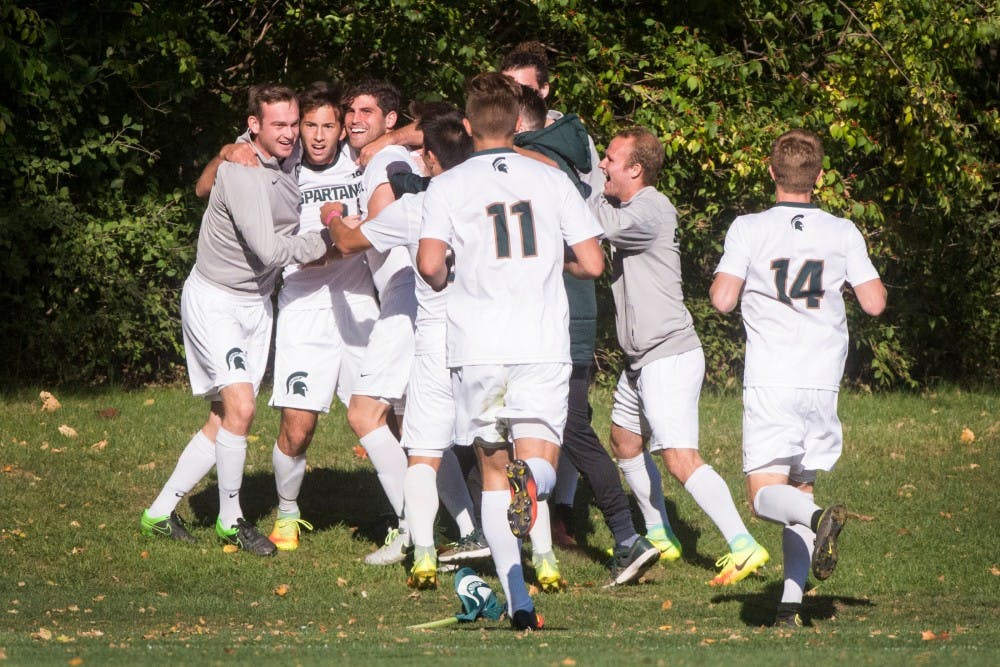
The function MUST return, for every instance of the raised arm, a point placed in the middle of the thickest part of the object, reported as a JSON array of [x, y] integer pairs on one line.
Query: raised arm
[[240, 153], [408, 135]]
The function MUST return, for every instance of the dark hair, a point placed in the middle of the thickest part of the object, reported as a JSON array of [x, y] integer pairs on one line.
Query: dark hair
[[491, 105], [647, 152], [320, 94], [796, 160], [532, 109], [528, 54], [444, 133], [386, 95], [267, 93]]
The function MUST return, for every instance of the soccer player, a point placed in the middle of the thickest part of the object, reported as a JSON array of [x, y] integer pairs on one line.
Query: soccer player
[[429, 422], [325, 311], [566, 142], [372, 110], [791, 264], [507, 218], [245, 238], [657, 394]]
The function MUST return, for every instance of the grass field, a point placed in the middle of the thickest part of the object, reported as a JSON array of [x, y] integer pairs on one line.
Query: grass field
[[919, 580]]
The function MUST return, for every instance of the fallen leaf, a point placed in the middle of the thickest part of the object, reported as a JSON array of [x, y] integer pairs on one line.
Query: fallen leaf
[[147, 466], [98, 446], [569, 662], [98, 598], [230, 549], [108, 413], [341, 582], [968, 437], [144, 555], [253, 438], [666, 627], [860, 517], [68, 431], [49, 402], [995, 571], [43, 633], [946, 515], [64, 639], [281, 590], [149, 401], [667, 604], [73, 662], [928, 635], [532, 590], [360, 452]]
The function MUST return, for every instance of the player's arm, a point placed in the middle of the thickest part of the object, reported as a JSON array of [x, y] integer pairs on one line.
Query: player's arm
[[587, 260], [628, 228], [382, 197], [431, 262], [240, 153], [408, 135], [872, 296], [347, 238], [725, 291]]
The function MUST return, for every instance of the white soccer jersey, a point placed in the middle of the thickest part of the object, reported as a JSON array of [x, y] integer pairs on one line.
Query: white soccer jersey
[[388, 161], [795, 259], [318, 287], [399, 225], [506, 217]]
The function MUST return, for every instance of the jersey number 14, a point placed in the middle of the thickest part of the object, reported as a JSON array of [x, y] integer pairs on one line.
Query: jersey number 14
[[808, 283]]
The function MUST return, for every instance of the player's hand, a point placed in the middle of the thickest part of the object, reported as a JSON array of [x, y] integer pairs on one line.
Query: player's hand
[[332, 254], [369, 151], [240, 153], [330, 210]]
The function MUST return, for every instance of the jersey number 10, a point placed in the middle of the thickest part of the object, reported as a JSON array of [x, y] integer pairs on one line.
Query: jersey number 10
[[501, 232], [808, 283]]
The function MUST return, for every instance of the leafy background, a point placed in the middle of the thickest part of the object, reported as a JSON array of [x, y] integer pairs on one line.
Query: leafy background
[[109, 109]]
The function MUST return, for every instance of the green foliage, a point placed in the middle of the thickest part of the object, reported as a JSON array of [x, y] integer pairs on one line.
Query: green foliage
[[108, 105]]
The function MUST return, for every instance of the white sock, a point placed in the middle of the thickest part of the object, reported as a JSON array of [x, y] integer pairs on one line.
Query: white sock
[[797, 543], [541, 532], [230, 455], [193, 464], [648, 494], [783, 503], [709, 490], [420, 489], [544, 474], [454, 493], [289, 471], [387, 456], [567, 477], [506, 550]]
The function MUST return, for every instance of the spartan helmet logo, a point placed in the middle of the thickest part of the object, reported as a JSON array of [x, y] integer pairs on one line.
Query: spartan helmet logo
[[236, 359], [296, 383], [797, 222], [500, 164]]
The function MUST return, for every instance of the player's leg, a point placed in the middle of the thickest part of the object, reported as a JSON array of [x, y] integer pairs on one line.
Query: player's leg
[[562, 501], [670, 389]]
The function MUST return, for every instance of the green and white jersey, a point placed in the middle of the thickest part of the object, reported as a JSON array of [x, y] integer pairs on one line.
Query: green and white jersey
[[388, 161], [795, 259], [398, 225], [507, 218], [348, 279]]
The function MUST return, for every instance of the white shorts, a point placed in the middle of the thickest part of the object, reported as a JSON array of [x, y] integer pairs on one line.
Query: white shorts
[[226, 336], [385, 367], [660, 402], [499, 403], [787, 426], [429, 422], [318, 353]]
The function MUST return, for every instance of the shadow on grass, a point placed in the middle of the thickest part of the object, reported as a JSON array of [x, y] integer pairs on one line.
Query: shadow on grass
[[329, 497], [758, 607]]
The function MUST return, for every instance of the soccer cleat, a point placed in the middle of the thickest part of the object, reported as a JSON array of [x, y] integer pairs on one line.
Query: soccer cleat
[[788, 616], [526, 621], [667, 543], [470, 547], [423, 574], [285, 534], [738, 565], [628, 564], [523, 498], [171, 526], [246, 536], [831, 522], [396, 548], [547, 572]]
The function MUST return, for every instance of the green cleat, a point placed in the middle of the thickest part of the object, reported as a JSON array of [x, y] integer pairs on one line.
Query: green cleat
[[171, 526], [666, 542], [738, 565]]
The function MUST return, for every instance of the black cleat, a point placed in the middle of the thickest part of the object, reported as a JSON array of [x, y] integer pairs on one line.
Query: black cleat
[[830, 523]]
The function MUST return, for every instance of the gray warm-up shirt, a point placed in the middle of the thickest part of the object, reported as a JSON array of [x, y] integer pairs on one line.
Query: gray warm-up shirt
[[246, 234], [650, 316]]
